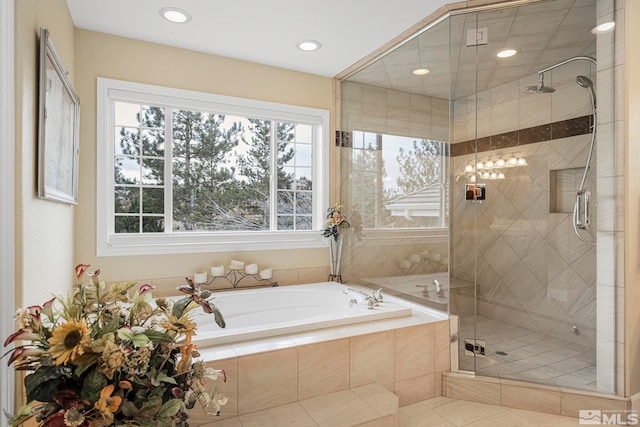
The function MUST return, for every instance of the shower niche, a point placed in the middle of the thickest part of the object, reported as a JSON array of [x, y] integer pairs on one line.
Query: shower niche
[[563, 187]]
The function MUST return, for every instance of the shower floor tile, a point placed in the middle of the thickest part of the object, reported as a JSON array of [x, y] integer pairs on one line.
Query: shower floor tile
[[530, 355]]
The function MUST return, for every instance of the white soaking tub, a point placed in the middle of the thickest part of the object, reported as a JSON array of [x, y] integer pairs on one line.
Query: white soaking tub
[[267, 312]]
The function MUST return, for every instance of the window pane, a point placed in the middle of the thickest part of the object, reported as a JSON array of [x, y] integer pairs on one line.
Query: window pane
[[303, 223], [285, 222], [303, 179], [127, 170], [304, 133], [153, 171], [152, 117], [127, 141], [303, 155], [127, 224], [303, 203], [152, 224], [127, 200], [153, 200], [153, 143], [286, 178], [126, 114], [285, 202]]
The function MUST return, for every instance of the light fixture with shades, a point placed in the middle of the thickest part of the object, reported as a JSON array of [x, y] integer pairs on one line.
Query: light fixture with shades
[[490, 168]]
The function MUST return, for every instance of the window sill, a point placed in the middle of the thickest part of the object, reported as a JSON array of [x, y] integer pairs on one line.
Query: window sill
[[157, 244]]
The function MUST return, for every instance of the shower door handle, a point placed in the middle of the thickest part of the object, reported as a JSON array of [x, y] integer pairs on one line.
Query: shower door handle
[[583, 215]]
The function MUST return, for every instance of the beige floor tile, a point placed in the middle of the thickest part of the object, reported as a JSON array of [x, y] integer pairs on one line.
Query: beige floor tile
[[462, 413], [230, 422], [286, 415], [437, 401], [505, 419], [340, 409], [418, 415], [379, 398], [415, 389], [546, 420]]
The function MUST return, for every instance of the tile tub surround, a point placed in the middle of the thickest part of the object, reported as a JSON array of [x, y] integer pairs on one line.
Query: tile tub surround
[[400, 354]]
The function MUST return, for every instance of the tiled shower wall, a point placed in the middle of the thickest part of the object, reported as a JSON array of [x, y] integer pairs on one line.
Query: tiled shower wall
[[531, 269]]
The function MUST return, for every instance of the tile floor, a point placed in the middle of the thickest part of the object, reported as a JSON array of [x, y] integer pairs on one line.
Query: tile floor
[[530, 356], [445, 412]]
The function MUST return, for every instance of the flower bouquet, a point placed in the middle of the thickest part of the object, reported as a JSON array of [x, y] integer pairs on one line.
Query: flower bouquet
[[103, 357], [336, 221]]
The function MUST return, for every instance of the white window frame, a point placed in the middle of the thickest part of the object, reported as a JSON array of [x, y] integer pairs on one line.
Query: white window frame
[[111, 244]]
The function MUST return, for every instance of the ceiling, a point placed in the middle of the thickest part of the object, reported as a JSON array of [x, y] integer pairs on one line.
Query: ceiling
[[265, 32], [545, 33]]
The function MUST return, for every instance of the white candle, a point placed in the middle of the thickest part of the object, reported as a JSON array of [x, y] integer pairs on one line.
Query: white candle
[[267, 273], [251, 269], [414, 258], [200, 277], [236, 265], [217, 270]]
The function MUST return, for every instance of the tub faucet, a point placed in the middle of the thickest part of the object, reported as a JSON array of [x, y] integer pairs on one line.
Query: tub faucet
[[439, 287], [369, 299]]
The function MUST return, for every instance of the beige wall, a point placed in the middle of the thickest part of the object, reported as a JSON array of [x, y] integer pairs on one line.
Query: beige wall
[[102, 55], [44, 229], [632, 199]]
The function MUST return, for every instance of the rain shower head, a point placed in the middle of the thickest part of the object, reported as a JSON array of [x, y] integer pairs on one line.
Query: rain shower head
[[540, 87]]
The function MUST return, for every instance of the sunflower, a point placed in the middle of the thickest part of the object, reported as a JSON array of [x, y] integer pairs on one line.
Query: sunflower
[[68, 340], [182, 325]]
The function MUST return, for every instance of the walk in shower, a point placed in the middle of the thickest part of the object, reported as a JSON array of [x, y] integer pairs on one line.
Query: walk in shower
[[479, 183]]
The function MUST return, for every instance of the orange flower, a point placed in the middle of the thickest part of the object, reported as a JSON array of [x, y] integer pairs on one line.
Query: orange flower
[[108, 404], [185, 353]]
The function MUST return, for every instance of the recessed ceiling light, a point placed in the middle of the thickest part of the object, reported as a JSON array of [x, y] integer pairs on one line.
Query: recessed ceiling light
[[176, 15], [506, 53], [309, 45], [605, 27], [420, 71]]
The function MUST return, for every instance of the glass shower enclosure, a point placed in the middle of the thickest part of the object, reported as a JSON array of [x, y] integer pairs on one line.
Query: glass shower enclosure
[[479, 183]]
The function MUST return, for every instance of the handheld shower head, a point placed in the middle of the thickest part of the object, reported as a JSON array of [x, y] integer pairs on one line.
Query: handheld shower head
[[585, 82]]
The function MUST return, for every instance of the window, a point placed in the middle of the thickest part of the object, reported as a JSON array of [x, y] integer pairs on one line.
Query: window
[[186, 171], [398, 182]]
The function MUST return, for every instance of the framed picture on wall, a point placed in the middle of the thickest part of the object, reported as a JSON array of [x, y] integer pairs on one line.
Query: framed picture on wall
[[58, 127]]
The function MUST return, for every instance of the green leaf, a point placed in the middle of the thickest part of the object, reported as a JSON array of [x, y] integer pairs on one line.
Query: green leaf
[[111, 327], [43, 383], [217, 315], [24, 413], [129, 409], [139, 340], [151, 407], [170, 408], [180, 306], [93, 383], [125, 334], [158, 337], [162, 377]]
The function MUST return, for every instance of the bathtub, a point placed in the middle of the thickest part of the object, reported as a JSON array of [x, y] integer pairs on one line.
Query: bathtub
[[268, 312]]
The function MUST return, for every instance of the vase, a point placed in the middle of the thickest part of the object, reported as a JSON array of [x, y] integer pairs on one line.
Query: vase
[[335, 256]]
